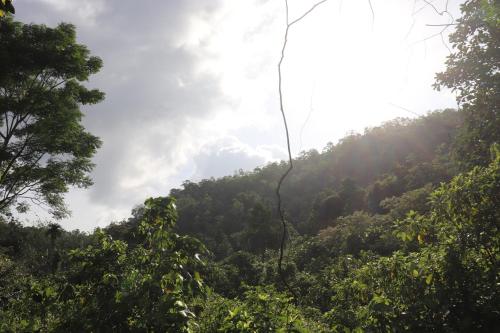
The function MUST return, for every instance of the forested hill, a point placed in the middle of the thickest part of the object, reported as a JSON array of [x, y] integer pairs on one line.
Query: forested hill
[[357, 173]]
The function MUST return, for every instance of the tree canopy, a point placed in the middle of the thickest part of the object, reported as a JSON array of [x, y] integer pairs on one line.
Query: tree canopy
[[472, 70], [44, 148], [6, 7]]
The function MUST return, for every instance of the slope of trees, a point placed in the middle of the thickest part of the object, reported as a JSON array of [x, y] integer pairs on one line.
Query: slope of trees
[[429, 263], [356, 174]]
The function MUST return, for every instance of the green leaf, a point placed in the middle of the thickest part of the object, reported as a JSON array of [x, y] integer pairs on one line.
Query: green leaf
[[49, 292], [428, 279]]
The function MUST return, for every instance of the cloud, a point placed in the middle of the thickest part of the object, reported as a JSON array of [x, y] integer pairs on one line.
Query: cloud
[[157, 95], [228, 155]]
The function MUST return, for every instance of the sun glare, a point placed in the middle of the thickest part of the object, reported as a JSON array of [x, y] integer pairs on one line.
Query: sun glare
[[344, 69]]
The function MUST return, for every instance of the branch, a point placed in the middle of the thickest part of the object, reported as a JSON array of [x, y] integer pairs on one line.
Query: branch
[[303, 15], [281, 211], [444, 25], [405, 109], [58, 84], [373, 12], [311, 109], [16, 120], [11, 162], [7, 200], [441, 25], [441, 13], [8, 196]]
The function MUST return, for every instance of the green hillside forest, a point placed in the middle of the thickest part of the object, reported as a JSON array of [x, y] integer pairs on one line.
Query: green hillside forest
[[395, 229]]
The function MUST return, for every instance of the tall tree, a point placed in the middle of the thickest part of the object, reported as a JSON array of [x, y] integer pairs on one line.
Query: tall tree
[[44, 148], [54, 231], [261, 234], [473, 71]]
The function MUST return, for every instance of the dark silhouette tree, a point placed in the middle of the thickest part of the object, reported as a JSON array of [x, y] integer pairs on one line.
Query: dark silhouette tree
[[261, 233], [54, 231]]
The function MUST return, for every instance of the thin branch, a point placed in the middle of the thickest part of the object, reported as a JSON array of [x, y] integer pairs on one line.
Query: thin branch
[[14, 158], [305, 14], [432, 36], [441, 25], [405, 109], [16, 120], [445, 26], [441, 13], [415, 12], [281, 211], [11, 195], [444, 43], [441, 32], [311, 109], [7, 193], [58, 84], [373, 12], [411, 29]]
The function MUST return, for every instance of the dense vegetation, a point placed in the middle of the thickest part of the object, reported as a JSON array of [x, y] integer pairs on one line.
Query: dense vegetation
[[395, 229]]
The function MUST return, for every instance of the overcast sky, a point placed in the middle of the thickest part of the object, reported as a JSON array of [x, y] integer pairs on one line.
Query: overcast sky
[[191, 85]]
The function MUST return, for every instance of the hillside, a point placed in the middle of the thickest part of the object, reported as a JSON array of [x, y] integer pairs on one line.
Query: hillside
[[355, 174]]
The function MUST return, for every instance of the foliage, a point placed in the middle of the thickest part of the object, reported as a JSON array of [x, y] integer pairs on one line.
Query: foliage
[[449, 282], [6, 7], [473, 71], [260, 309], [44, 148], [107, 286]]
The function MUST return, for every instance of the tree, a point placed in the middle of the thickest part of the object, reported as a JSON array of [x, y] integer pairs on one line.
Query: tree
[[352, 194], [447, 280], [43, 146], [6, 7], [261, 234], [473, 71], [54, 231], [111, 287], [327, 207]]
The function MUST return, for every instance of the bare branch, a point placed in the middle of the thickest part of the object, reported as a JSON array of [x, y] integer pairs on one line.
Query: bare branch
[[281, 211], [311, 109], [441, 25], [405, 109], [13, 160], [444, 25], [7, 193], [305, 14], [373, 12]]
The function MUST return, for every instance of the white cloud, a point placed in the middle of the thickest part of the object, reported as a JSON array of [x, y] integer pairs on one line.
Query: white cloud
[[229, 155]]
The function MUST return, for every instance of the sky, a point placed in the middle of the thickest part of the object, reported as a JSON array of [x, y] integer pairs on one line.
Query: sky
[[192, 85]]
